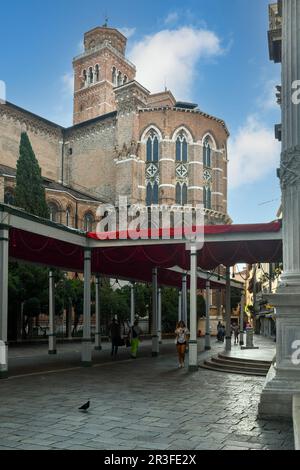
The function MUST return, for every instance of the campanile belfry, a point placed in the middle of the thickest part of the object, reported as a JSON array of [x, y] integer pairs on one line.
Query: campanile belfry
[[100, 69]]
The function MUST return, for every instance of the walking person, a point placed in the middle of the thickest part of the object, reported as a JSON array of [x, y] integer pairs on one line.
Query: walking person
[[135, 338], [236, 332], [182, 337], [115, 335]]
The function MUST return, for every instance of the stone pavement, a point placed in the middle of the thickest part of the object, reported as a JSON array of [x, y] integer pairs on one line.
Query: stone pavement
[[145, 404]]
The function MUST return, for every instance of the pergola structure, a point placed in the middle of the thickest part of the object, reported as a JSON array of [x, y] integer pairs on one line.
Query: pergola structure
[[30, 239]]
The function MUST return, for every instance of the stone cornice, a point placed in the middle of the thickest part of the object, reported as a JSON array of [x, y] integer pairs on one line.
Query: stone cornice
[[94, 52], [30, 121], [182, 110]]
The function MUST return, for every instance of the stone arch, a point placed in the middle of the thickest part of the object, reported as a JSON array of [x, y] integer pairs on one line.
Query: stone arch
[[151, 127], [88, 221], [55, 210], [209, 135], [186, 130]]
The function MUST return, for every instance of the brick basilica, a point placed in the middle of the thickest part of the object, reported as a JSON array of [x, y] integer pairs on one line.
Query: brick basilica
[[124, 141]]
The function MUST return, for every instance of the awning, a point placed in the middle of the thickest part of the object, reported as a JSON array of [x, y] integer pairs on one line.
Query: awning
[[42, 242]]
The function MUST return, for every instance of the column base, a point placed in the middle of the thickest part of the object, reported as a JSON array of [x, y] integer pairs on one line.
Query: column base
[[52, 352], [249, 347], [86, 364], [276, 401], [3, 374]]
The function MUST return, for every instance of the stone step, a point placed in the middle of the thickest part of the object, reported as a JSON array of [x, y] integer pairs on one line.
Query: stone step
[[228, 370], [244, 364], [242, 360]]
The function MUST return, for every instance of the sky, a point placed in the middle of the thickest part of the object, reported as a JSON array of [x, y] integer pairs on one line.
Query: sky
[[210, 52]]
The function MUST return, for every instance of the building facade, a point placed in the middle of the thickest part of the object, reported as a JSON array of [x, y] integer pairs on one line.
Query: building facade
[[124, 141]]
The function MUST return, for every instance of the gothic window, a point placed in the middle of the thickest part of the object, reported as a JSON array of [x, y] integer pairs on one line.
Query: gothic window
[[153, 148], [68, 217], [152, 168], [181, 194], [119, 78], [114, 76], [125, 79], [152, 193], [181, 148], [54, 214], [91, 75], [9, 197], [207, 197], [207, 154], [88, 222], [97, 73]]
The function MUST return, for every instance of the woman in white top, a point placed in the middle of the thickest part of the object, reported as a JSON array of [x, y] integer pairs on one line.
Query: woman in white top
[[182, 336]]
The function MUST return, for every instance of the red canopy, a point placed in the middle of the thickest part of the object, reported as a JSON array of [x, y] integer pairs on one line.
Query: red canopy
[[223, 245]]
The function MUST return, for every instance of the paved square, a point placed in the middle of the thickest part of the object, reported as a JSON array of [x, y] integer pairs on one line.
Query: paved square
[[143, 404]]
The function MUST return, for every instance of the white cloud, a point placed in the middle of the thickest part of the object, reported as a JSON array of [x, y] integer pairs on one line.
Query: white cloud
[[172, 18], [253, 153], [80, 46], [171, 56], [267, 101], [67, 81], [127, 32]]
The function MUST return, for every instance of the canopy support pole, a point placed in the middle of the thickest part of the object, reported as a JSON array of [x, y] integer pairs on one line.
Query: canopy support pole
[[193, 344], [132, 305], [228, 311], [159, 330], [179, 306], [184, 298], [242, 320], [52, 334], [155, 339], [4, 239], [98, 346], [207, 334], [86, 340]]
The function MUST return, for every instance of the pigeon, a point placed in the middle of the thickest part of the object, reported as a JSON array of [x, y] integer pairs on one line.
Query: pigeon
[[85, 407]]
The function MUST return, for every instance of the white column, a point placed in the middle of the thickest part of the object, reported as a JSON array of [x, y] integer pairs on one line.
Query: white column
[[276, 399], [193, 344], [69, 318], [86, 340], [228, 312], [155, 339], [242, 319], [159, 329], [207, 333], [4, 237], [132, 305], [52, 331], [179, 306], [98, 346], [184, 298]]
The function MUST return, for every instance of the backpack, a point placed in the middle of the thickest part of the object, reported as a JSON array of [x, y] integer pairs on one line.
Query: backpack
[[134, 333]]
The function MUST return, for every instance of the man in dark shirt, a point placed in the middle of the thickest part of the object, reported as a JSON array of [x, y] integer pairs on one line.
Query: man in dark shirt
[[115, 335]]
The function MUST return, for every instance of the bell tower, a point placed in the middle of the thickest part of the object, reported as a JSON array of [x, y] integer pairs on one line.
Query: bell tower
[[100, 69]]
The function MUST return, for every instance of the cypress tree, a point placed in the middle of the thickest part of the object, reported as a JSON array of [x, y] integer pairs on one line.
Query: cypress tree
[[30, 192]]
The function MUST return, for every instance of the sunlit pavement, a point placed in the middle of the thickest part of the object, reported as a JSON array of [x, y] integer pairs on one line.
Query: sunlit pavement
[[146, 403]]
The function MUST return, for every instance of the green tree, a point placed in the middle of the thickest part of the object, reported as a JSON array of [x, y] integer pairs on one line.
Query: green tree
[[30, 192], [28, 282]]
